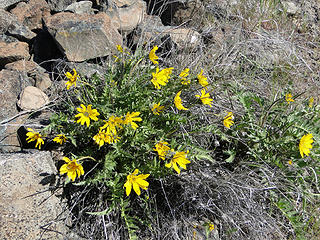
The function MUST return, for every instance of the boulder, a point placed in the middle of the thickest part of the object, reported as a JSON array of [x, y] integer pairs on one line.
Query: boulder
[[30, 14], [80, 7], [11, 52], [59, 5], [32, 98], [5, 4], [132, 15], [11, 84], [29, 210], [33, 70], [184, 37], [83, 37], [10, 25]]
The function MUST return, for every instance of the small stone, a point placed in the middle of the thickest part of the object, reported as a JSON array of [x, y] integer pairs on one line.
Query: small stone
[[43, 81], [32, 98], [23, 66], [290, 7], [59, 5], [80, 7], [11, 52], [184, 37]]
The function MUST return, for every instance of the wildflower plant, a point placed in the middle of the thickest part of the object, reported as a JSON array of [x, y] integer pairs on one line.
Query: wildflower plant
[[127, 123]]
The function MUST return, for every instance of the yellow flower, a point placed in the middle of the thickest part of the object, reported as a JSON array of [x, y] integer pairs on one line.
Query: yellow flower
[[157, 109], [305, 144], [34, 136], [152, 55], [289, 98], [183, 75], [161, 78], [205, 97], [178, 158], [113, 123], [100, 137], [72, 79], [311, 100], [290, 162], [178, 102], [228, 120], [86, 113], [202, 79], [162, 148], [131, 118], [60, 138], [211, 227], [71, 168], [137, 182], [119, 48]]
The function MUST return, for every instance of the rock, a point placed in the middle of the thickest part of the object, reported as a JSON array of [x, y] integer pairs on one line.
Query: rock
[[43, 81], [59, 5], [30, 14], [23, 66], [85, 36], [32, 98], [33, 70], [184, 37], [5, 4], [11, 84], [10, 25], [290, 7], [7, 39], [87, 70], [80, 7], [132, 15], [28, 209], [11, 52]]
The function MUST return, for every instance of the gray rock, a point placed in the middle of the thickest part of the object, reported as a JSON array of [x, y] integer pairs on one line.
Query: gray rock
[[132, 15], [32, 98], [290, 7], [87, 70], [28, 208], [9, 24], [7, 39], [85, 36], [11, 52], [11, 84], [30, 14], [80, 7], [5, 4], [59, 5]]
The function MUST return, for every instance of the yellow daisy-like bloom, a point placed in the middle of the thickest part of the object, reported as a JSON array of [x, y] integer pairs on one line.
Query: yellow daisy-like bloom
[[119, 48], [205, 97], [311, 101], [137, 182], [305, 144], [202, 79], [86, 113], [72, 79], [131, 118], [100, 137], [161, 77], [152, 55], [228, 120], [178, 102], [178, 158], [183, 76], [289, 98], [71, 168], [157, 109], [162, 148], [211, 227], [60, 138], [113, 123], [34, 136], [290, 162]]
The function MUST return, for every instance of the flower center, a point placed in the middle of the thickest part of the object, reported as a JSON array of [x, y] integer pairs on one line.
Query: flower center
[[72, 166], [86, 114]]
